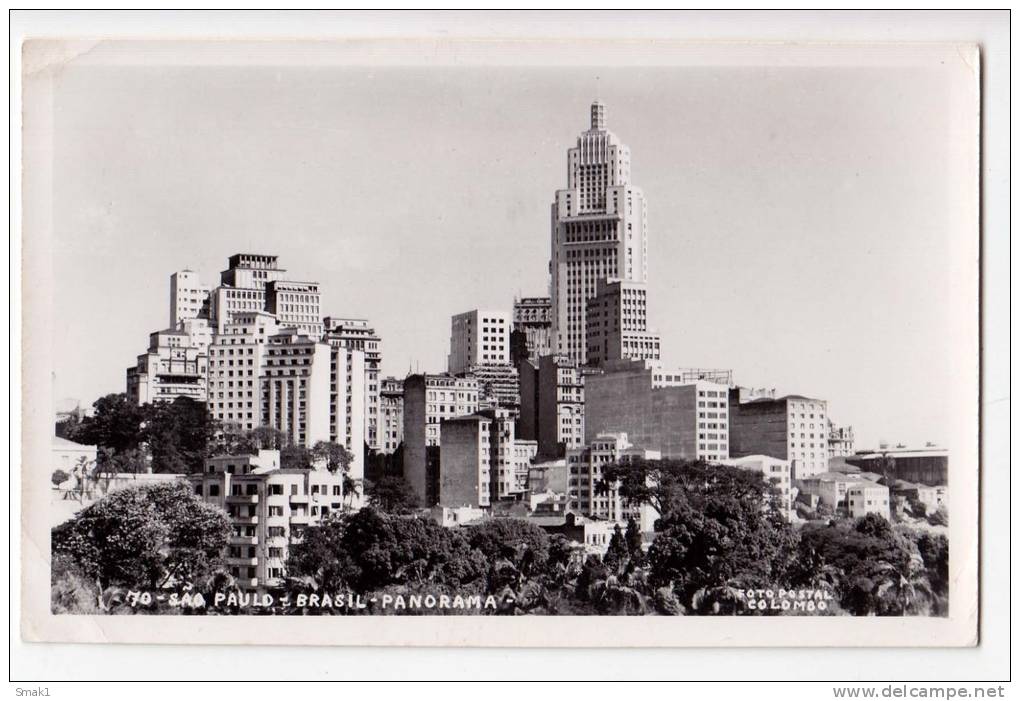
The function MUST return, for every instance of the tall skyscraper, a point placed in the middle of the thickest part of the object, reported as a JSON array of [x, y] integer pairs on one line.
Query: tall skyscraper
[[599, 230]]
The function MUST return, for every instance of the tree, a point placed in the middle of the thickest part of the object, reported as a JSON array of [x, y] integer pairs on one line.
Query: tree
[[147, 536], [59, 477], [617, 555], [367, 551], [392, 494], [635, 542], [115, 423], [179, 434], [334, 456], [867, 564], [939, 517]]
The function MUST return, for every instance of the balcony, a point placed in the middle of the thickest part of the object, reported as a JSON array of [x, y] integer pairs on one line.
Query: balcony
[[244, 540], [243, 499], [298, 498], [243, 561]]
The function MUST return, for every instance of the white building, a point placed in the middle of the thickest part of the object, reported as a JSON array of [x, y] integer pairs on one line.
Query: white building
[[296, 304], [269, 508], [236, 359], [242, 286], [479, 337], [599, 230], [391, 413], [296, 387], [867, 497], [189, 298], [358, 334], [175, 365]]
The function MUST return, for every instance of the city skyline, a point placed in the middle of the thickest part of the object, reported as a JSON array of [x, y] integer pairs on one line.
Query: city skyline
[[707, 312]]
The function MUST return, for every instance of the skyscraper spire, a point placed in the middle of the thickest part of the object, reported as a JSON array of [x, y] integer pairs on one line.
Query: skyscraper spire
[[598, 231], [598, 115]]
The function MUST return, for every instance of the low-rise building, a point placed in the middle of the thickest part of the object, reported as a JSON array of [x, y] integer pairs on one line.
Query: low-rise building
[[930, 497], [866, 497], [269, 508], [928, 466], [453, 516], [830, 487]]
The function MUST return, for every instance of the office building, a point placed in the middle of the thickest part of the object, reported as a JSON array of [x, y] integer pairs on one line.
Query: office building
[[793, 428], [296, 304], [599, 230], [532, 317], [552, 404], [429, 400], [616, 326], [391, 413], [269, 509], [478, 337], [659, 409], [482, 461]]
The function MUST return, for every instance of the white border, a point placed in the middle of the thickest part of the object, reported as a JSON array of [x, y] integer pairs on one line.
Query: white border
[[700, 26]]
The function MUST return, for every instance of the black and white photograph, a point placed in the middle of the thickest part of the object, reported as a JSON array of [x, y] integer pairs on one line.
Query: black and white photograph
[[660, 338]]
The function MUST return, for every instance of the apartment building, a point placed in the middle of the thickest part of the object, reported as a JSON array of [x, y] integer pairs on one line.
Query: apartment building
[[175, 365], [236, 359], [358, 334], [189, 298], [296, 389], [269, 509], [391, 413]]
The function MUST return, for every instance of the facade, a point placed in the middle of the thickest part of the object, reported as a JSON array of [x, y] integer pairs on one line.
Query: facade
[[929, 466], [347, 406], [830, 487], [189, 298], [478, 337], [841, 440], [599, 230], [533, 319], [429, 400], [67, 455], [482, 461], [296, 304], [931, 497], [269, 508], [659, 410], [296, 387], [793, 428], [236, 358], [175, 365], [866, 497], [775, 471], [616, 323], [552, 404], [242, 287], [498, 385], [358, 334], [584, 494], [391, 413], [548, 476]]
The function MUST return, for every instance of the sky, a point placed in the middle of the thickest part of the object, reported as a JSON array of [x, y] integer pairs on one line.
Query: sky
[[802, 222]]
